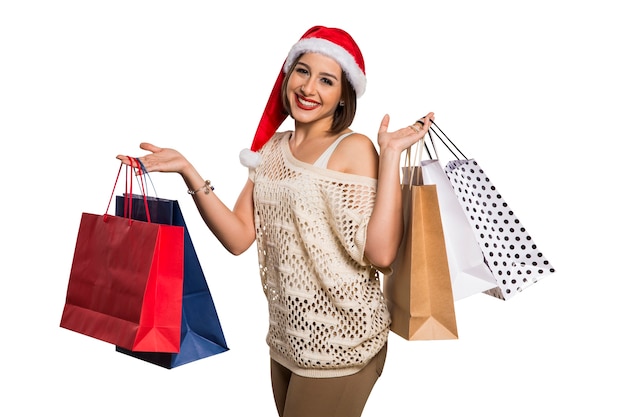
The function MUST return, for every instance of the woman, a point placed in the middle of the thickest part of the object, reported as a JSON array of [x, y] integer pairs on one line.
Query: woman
[[325, 212]]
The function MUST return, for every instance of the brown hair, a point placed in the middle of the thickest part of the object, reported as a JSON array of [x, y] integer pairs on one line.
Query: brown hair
[[344, 115]]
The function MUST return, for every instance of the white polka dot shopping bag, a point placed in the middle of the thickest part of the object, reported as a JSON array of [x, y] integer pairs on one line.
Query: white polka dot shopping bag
[[468, 271], [508, 248]]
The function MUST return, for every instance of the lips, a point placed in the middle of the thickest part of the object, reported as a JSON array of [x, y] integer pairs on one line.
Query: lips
[[306, 104]]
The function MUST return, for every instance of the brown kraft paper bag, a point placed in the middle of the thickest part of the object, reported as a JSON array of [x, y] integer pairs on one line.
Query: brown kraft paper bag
[[419, 289]]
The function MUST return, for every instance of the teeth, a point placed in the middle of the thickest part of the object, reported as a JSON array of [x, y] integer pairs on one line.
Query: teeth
[[306, 103]]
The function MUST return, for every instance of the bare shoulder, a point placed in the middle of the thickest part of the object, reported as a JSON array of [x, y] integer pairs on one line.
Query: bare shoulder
[[356, 154]]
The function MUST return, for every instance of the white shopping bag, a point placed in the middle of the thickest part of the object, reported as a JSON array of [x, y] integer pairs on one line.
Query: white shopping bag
[[468, 271], [512, 256]]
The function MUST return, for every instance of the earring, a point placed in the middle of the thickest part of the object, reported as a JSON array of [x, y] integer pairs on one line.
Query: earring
[[342, 103]]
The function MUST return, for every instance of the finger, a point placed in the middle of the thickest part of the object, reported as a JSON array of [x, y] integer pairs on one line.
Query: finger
[[384, 124], [424, 123], [138, 164], [416, 129], [124, 159], [149, 147], [134, 163], [428, 121], [429, 117]]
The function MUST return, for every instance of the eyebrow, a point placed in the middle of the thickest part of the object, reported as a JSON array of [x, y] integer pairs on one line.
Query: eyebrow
[[325, 74]]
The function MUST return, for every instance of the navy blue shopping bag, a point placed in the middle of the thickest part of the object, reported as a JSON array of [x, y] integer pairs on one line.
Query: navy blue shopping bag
[[201, 331]]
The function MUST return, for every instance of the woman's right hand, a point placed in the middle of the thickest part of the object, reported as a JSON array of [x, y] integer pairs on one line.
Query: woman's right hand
[[160, 159]]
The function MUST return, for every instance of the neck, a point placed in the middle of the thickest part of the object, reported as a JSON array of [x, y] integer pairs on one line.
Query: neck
[[317, 130]]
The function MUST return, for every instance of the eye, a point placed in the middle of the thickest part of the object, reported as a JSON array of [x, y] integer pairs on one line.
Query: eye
[[327, 81], [302, 70]]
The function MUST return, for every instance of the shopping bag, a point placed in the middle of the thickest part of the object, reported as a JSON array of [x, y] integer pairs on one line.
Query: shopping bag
[[419, 290], [468, 272], [126, 282], [509, 250], [201, 333]]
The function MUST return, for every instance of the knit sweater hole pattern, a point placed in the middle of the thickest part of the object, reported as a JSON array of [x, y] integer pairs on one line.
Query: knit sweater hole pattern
[[326, 307]]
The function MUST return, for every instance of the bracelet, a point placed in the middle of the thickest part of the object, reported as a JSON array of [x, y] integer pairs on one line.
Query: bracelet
[[207, 187]]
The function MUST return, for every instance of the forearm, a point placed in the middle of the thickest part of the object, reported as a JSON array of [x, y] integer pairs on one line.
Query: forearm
[[233, 228], [385, 228]]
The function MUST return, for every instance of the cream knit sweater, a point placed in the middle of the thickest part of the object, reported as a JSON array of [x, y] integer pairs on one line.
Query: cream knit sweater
[[327, 314]]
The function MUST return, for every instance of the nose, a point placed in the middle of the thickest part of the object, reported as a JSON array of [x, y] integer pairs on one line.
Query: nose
[[307, 87]]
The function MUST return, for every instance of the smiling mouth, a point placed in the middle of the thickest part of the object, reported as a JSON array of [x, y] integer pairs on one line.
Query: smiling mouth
[[306, 104]]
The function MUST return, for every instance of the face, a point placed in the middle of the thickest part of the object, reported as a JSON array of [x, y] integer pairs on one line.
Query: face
[[314, 88]]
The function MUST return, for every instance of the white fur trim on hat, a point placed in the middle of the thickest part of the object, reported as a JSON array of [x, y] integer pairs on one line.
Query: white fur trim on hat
[[249, 158], [344, 58]]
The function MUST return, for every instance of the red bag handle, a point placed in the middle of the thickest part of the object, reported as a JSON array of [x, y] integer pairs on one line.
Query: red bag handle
[[128, 190]]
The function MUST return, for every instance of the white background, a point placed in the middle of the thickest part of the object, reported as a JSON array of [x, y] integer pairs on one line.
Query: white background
[[533, 90]]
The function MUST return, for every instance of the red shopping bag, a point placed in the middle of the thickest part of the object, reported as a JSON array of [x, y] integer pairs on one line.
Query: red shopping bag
[[126, 282]]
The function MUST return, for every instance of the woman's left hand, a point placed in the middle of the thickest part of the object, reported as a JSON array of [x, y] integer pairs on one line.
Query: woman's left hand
[[403, 138]]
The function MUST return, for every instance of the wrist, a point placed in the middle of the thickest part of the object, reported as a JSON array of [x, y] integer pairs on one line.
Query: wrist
[[206, 188]]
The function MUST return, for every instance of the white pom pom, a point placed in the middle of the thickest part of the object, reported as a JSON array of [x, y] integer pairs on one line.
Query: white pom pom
[[249, 159]]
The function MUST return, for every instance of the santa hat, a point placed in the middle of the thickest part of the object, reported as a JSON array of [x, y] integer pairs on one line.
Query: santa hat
[[332, 42]]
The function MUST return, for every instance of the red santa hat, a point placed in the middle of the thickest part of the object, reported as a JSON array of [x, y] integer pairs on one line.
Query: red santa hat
[[332, 42]]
